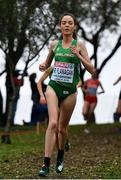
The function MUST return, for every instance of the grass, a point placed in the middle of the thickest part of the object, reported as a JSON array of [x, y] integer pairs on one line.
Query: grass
[[92, 156]]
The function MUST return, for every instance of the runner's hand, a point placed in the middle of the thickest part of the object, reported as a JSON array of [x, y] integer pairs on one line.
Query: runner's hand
[[43, 66], [75, 51], [43, 100]]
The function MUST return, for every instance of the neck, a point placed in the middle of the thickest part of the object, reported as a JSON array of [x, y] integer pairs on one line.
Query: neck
[[67, 39]]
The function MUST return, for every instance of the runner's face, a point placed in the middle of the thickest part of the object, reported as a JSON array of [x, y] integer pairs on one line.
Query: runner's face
[[67, 25]]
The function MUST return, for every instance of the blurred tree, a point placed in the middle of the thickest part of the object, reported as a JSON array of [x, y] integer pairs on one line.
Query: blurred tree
[[24, 30]]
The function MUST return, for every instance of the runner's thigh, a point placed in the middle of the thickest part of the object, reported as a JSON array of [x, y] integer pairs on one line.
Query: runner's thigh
[[52, 103], [66, 109]]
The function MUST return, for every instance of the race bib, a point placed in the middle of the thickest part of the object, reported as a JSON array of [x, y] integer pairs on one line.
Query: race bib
[[63, 72]]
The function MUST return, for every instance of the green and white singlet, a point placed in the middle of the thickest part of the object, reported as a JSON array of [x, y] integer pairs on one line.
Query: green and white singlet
[[66, 71]]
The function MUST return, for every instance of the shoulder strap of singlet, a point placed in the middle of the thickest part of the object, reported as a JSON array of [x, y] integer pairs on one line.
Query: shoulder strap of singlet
[[74, 42], [58, 43]]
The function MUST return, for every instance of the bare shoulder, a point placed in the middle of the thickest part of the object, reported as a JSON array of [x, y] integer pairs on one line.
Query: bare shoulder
[[53, 45], [81, 45]]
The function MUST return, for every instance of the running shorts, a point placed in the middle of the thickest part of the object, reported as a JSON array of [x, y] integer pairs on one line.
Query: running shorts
[[61, 91], [91, 99]]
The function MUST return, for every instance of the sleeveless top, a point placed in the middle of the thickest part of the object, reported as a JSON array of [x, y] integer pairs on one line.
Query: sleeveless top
[[66, 69], [92, 85]]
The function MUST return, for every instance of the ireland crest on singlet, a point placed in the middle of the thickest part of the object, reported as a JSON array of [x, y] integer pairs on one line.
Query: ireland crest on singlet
[[66, 65], [63, 72]]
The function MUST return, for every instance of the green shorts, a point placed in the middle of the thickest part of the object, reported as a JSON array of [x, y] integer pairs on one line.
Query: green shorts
[[62, 91]]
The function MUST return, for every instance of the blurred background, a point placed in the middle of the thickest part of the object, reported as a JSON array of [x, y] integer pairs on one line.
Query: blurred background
[[27, 28]]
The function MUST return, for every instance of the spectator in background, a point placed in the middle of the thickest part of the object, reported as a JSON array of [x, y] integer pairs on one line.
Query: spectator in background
[[33, 84], [39, 110], [117, 114], [90, 98]]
